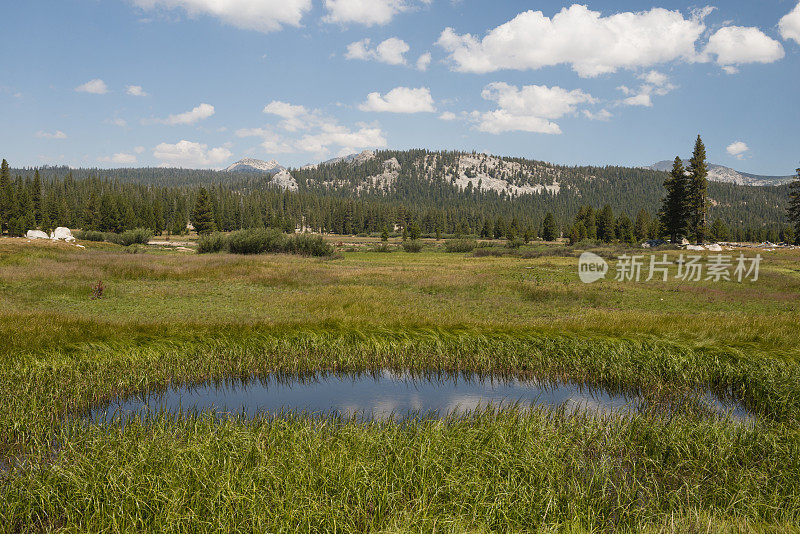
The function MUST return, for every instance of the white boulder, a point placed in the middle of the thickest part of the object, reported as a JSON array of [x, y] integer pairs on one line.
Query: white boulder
[[62, 234], [715, 247], [36, 234]]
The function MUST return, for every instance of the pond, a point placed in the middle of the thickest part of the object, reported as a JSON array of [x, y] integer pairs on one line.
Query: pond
[[389, 395]]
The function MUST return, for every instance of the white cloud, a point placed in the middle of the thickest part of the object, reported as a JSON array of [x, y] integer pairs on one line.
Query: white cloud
[[400, 100], [391, 51], [189, 154], [119, 158], [122, 123], [448, 116], [201, 112], [735, 45], [590, 43], [58, 134], [366, 12], [135, 90], [528, 109], [790, 25], [738, 149], [656, 84], [424, 61], [95, 87], [139, 149], [603, 115], [259, 15], [321, 133]]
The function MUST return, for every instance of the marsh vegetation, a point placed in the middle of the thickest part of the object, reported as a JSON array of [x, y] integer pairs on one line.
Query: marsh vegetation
[[172, 319]]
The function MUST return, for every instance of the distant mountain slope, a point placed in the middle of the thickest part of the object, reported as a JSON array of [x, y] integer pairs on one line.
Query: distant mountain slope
[[720, 173], [256, 165]]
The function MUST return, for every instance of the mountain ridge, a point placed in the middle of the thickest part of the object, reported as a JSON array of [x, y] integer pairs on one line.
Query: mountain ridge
[[723, 174]]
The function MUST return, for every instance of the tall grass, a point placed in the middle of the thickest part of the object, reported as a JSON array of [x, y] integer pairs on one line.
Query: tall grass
[[137, 236]]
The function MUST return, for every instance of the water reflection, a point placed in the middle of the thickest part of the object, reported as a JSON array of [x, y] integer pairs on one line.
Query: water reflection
[[387, 394]]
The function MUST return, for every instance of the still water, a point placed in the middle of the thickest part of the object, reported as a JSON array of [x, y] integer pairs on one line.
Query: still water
[[381, 395]]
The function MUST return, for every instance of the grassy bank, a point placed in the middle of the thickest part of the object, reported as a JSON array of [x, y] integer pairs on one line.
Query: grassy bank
[[170, 318]]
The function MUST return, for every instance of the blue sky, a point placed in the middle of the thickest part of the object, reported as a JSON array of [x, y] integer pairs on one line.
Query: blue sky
[[202, 83]]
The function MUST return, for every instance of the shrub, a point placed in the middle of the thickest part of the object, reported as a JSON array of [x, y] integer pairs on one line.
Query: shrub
[[515, 243], [209, 243], [383, 247], [461, 245], [309, 245], [90, 235], [138, 236], [412, 246], [256, 241]]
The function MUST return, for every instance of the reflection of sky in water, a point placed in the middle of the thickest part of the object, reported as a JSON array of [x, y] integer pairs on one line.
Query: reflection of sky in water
[[382, 395]]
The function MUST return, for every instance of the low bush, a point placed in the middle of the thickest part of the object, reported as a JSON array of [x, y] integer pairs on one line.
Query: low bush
[[90, 235], [257, 241], [210, 243], [461, 245], [261, 241], [482, 252], [309, 245], [412, 246], [383, 247], [138, 236]]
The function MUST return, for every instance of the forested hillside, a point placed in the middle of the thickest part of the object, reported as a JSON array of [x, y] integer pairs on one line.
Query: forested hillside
[[443, 192]]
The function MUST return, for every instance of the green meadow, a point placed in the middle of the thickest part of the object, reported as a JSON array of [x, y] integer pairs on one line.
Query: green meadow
[[172, 317]]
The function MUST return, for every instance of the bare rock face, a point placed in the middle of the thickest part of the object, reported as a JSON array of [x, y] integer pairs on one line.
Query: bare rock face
[[285, 180], [62, 234], [36, 234]]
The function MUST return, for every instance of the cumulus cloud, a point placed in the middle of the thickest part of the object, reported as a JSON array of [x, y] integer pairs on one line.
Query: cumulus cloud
[[366, 12], [790, 25], [738, 149], [95, 87], [656, 84], [58, 134], [424, 61], [122, 123], [391, 51], [448, 116], [317, 132], [189, 154], [139, 149], [531, 108], [119, 158], [400, 100], [587, 41], [259, 15], [201, 112], [735, 45], [135, 90]]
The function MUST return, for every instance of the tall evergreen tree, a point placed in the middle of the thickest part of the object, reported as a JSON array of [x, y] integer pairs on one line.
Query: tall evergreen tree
[[675, 207], [794, 207], [6, 198], [549, 228], [605, 224], [698, 191], [203, 213], [36, 197], [641, 228]]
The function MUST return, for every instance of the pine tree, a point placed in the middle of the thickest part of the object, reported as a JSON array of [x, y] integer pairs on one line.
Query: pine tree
[[203, 213], [675, 208], [549, 228], [6, 198], [698, 191], [605, 224], [36, 196], [641, 228], [384, 234], [794, 207]]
